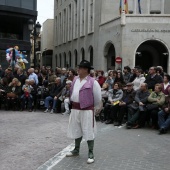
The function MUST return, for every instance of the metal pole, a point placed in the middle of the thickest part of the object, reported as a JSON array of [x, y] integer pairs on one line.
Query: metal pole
[[34, 47]]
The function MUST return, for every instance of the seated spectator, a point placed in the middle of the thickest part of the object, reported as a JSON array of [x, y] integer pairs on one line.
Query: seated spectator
[[65, 94], [33, 93], [138, 107], [3, 90], [128, 98], [138, 80], [26, 88], [13, 93], [112, 106], [166, 84], [100, 78], [164, 116], [54, 92], [157, 99]]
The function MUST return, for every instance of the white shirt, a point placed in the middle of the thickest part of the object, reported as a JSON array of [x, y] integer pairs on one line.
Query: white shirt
[[96, 91]]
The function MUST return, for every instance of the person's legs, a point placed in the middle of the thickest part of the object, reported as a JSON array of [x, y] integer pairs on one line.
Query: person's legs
[[121, 113], [161, 118], [47, 102], [154, 117], [66, 105], [113, 112], [106, 112]]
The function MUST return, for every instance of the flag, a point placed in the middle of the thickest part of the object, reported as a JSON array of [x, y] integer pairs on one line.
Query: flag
[[139, 7], [126, 7], [120, 7]]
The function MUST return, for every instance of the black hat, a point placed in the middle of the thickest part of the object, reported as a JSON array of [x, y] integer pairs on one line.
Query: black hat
[[86, 64]]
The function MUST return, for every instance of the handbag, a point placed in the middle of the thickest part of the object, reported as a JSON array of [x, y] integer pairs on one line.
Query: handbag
[[152, 106], [133, 106], [11, 95]]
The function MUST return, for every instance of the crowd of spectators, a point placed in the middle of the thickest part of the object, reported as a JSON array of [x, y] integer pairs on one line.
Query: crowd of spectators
[[132, 96]]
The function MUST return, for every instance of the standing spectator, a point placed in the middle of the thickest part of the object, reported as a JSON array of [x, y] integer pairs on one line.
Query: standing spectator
[[9, 74], [32, 75], [138, 80], [21, 77], [71, 74], [127, 74], [51, 76], [119, 78], [152, 78], [63, 76], [100, 78], [157, 99], [111, 78], [134, 109], [166, 84]]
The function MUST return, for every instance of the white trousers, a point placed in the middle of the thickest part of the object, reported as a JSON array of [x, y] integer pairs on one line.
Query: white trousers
[[82, 123], [66, 104]]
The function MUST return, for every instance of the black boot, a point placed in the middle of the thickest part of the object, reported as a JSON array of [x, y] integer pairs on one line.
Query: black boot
[[90, 154], [76, 150]]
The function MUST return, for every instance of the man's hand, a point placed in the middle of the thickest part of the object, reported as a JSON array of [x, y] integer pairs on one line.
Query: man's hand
[[122, 103], [166, 109], [141, 104], [55, 98]]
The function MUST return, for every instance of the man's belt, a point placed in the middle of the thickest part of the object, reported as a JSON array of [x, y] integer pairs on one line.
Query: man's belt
[[76, 106]]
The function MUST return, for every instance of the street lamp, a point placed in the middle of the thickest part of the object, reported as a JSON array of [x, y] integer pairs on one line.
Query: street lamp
[[35, 28]]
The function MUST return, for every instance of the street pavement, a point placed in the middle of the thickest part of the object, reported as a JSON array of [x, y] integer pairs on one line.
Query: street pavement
[[28, 141], [117, 148]]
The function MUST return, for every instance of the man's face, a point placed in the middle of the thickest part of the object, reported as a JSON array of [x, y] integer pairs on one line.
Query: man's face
[[125, 71], [151, 70], [18, 72], [68, 85], [143, 87], [57, 81], [129, 88], [82, 70]]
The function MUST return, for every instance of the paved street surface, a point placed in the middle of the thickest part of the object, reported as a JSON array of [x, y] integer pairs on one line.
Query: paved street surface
[[28, 139], [122, 149]]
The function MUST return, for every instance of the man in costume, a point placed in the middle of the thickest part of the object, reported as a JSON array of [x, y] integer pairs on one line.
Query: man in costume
[[85, 94]]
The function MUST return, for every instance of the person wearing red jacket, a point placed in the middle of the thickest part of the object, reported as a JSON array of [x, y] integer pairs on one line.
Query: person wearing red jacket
[[100, 78]]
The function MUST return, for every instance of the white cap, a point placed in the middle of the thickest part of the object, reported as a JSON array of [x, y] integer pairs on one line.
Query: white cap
[[63, 69], [68, 82]]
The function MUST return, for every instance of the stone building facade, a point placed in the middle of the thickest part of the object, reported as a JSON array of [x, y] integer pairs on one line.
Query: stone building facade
[[95, 30]]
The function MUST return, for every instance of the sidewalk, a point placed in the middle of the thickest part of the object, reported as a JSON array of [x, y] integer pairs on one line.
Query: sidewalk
[[117, 148]]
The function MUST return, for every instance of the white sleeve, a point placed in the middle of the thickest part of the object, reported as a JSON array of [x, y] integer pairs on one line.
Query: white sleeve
[[97, 93]]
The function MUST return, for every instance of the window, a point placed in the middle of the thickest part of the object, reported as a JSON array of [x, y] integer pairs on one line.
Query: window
[[75, 19], [69, 23], [64, 26], [83, 54], [82, 18], [90, 16]]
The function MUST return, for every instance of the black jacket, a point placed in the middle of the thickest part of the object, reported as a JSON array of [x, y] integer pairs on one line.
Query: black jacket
[[55, 90], [142, 96], [128, 97], [152, 81]]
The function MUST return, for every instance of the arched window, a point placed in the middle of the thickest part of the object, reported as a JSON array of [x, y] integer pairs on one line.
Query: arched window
[[91, 55], [56, 58], [69, 64], [60, 60], [65, 62], [75, 54], [83, 54]]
